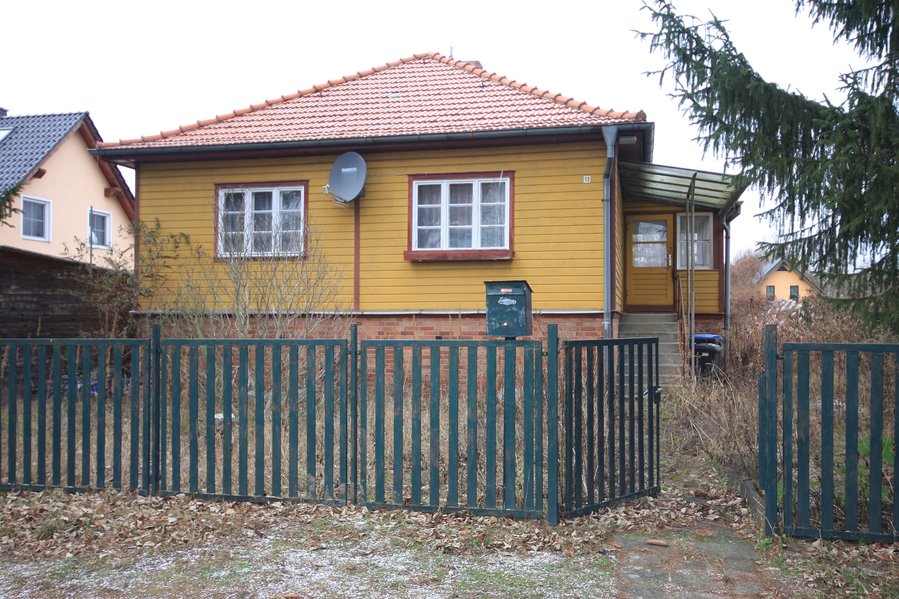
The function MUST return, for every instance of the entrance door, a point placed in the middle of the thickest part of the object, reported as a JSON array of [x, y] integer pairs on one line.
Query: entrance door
[[650, 268]]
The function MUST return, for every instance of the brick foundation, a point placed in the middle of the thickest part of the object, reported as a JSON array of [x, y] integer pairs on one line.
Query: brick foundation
[[427, 326], [469, 326], [452, 326]]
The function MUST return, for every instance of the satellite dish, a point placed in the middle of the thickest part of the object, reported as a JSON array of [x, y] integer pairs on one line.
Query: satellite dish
[[347, 177]]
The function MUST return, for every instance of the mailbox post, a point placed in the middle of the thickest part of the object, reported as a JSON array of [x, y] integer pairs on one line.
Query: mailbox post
[[509, 312]]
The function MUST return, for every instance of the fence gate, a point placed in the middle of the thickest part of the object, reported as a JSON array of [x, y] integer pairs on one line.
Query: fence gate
[[452, 425], [611, 422], [827, 439]]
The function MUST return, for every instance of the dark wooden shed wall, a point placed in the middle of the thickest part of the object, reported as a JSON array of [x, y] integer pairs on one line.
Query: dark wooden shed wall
[[38, 299]]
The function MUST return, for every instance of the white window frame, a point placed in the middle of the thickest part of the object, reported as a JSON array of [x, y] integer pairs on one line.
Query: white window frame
[[90, 238], [711, 240], [48, 218], [248, 192], [476, 213]]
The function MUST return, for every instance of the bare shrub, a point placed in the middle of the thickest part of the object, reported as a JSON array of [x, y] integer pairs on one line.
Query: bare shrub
[[234, 293], [108, 279], [719, 418], [716, 419]]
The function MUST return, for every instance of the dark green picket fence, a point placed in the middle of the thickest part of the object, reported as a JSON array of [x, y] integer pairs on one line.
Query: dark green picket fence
[[461, 411], [827, 442], [427, 425], [611, 422], [261, 418], [76, 413]]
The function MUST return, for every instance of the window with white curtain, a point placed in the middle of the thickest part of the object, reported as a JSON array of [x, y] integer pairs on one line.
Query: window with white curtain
[[460, 214], [261, 221], [701, 241]]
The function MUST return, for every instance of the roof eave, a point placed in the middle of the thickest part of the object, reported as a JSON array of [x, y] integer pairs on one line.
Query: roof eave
[[130, 155], [91, 137]]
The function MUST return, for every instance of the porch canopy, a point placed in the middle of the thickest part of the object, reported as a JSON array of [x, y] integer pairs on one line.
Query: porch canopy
[[673, 185]]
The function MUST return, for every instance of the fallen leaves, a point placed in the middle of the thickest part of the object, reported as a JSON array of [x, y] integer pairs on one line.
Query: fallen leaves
[[55, 523], [58, 524]]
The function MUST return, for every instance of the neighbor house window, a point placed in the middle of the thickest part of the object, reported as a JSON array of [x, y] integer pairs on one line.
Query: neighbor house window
[[462, 216], [35, 219], [701, 241], [794, 292], [99, 225], [769, 293], [261, 221]]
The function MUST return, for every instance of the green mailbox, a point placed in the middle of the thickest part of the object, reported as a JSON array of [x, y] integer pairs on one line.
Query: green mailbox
[[508, 309]]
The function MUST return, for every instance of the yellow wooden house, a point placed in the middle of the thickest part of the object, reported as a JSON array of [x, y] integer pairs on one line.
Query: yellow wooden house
[[470, 177], [781, 282]]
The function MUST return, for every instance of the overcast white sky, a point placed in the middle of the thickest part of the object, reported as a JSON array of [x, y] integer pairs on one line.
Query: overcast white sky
[[141, 67]]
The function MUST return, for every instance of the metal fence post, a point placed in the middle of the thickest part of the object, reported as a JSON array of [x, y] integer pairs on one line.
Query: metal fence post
[[552, 424], [354, 411], [768, 426], [156, 408]]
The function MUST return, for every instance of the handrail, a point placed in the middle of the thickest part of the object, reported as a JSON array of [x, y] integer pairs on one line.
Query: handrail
[[681, 312]]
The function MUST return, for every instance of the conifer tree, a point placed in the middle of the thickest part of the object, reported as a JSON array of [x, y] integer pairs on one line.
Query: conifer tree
[[829, 169]]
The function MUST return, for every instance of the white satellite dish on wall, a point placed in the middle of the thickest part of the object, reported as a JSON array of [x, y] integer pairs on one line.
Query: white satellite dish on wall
[[347, 177]]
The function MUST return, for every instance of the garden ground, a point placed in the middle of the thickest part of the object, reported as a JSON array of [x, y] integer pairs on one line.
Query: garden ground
[[696, 539]]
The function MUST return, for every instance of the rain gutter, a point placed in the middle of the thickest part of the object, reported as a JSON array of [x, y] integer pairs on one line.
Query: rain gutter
[[128, 153]]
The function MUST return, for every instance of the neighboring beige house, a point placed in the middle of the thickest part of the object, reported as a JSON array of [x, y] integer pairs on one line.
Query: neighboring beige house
[[781, 282], [65, 193]]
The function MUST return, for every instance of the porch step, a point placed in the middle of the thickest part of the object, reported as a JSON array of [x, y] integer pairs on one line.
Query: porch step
[[630, 317], [664, 327]]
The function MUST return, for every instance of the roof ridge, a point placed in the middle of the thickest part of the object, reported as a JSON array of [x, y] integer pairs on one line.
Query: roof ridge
[[79, 113], [536, 91], [461, 64]]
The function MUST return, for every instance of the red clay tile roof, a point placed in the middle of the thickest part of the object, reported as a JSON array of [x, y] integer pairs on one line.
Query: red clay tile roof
[[421, 95]]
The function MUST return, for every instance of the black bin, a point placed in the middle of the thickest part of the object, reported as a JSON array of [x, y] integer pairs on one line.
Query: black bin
[[707, 351]]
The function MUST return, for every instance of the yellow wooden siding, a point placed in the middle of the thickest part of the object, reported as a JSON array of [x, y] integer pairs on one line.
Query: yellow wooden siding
[[182, 197], [619, 246], [707, 290], [557, 223]]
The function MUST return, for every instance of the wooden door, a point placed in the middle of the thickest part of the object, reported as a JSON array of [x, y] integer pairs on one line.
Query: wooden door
[[649, 266]]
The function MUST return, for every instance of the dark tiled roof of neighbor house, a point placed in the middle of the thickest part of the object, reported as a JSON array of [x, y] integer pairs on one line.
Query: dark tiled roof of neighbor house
[[29, 140]]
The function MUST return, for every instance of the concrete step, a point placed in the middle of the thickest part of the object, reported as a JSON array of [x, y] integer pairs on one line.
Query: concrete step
[[647, 317], [664, 327], [662, 334]]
